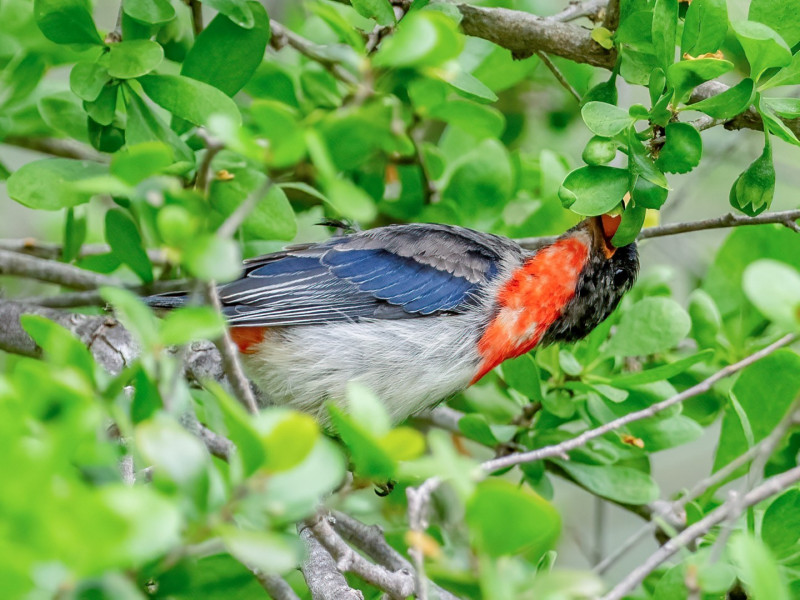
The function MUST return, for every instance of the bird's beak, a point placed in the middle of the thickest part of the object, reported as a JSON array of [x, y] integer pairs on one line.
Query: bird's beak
[[605, 226]]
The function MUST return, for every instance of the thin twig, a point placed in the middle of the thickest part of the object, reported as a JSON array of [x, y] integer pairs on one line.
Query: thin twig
[[418, 504], [197, 15], [230, 356], [33, 247], [50, 271], [593, 9], [397, 584], [370, 540], [788, 218], [763, 448], [237, 217], [576, 442], [773, 485], [274, 585], [62, 148], [282, 36], [558, 75], [213, 147]]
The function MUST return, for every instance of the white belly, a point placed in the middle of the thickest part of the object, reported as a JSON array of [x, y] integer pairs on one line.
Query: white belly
[[411, 364]]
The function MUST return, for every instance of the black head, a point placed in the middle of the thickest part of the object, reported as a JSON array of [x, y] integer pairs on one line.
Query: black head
[[609, 273]]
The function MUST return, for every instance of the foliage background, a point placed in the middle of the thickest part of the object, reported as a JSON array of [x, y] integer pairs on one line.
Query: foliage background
[[496, 146]]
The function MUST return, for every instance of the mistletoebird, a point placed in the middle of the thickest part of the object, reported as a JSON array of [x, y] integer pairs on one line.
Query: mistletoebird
[[415, 312]]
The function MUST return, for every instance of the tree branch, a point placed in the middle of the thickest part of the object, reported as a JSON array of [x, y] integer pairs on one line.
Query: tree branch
[[525, 34], [787, 218], [62, 148], [398, 584], [321, 574], [561, 449], [729, 510], [283, 36], [275, 586], [50, 271], [33, 247]]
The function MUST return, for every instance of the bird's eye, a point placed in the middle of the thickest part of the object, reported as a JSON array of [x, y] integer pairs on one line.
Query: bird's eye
[[620, 277]]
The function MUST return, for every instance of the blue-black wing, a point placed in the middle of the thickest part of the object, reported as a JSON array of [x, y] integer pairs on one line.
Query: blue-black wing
[[393, 272]]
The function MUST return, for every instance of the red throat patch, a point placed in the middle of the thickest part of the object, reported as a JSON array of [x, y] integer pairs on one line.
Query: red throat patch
[[247, 338], [531, 301]]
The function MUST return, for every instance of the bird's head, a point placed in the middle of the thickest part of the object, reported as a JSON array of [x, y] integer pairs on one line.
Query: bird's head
[[609, 272]]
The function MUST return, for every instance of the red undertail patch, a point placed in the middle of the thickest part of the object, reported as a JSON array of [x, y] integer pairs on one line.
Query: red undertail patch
[[247, 338], [532, 299]]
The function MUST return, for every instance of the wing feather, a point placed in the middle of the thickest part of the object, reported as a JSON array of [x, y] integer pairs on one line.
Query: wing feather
[[393, 272]]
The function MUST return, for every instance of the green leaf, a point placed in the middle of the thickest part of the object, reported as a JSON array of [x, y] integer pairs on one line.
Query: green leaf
[[470, 86], [686, 75], [782, 16], [238, 11], [211, 257], [239, 428], [189, 99], [87, 80], [785, 107], [66, 21], [145, 126], [651, 325], [495, 503], [366, 409], [729, 103], [140, 161], [288, 438], [593, 190], [762, 416], [48, 184], [271, 218], [704, 27], [599, 151], [63, 113], [763, 47], [753, 190], [665, 27], [479, 120], [663, 372], [267, 552], [481, 180], [149, 11], [706, 320], [774, 288], [682, 150], [780, 526], [620, 484], [603, 36], [349, 200], [191, 323], [133, 314], [421, 39], [476, 427], [605, 120], [281, 126], [646, 194], [74, 234], [630, 226], [369, 458], [757, 568], [380, 10], [172, 450], [225, 55], [128, 60], [60, 346], [126, 244], [789, 75], [522, 375], [774, 124]]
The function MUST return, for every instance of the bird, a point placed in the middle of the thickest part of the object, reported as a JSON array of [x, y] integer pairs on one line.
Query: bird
[[415, 312]]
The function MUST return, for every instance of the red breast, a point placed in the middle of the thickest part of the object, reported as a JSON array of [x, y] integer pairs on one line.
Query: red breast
[[530, 301]]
